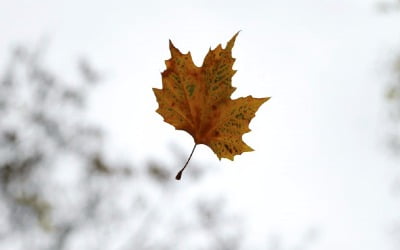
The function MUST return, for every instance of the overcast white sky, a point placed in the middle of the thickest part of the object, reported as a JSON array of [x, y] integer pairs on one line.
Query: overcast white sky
[[319, 160]]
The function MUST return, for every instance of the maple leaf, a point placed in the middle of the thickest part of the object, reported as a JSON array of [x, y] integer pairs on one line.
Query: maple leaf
[[198, 100]]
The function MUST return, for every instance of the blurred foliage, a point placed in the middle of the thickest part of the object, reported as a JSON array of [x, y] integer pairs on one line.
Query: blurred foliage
[[389, 6], [59, 191], [393, 98]]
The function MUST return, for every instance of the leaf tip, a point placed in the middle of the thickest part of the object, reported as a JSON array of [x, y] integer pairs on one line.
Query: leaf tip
[[232, 41], [173, 49], [266, 98]]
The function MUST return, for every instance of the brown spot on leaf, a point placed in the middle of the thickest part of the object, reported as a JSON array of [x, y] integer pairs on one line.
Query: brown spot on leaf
[[228, 148]]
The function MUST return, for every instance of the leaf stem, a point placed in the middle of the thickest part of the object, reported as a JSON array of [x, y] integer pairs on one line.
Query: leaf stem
[[179, 175]]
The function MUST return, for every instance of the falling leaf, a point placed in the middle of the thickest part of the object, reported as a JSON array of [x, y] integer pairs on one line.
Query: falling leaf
[[198, 100]]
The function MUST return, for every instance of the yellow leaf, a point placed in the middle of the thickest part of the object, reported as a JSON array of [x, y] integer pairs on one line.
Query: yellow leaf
[[198, 100]]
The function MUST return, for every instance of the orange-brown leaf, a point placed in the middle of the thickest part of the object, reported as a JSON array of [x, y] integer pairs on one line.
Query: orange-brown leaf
[[198, 100]]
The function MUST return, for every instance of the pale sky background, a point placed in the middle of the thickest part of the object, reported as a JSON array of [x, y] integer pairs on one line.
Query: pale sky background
[[320, 159]]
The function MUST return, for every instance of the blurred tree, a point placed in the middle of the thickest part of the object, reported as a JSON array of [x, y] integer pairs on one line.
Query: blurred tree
[[388, 6], [393, 97], [59, 191], [41, 126]]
